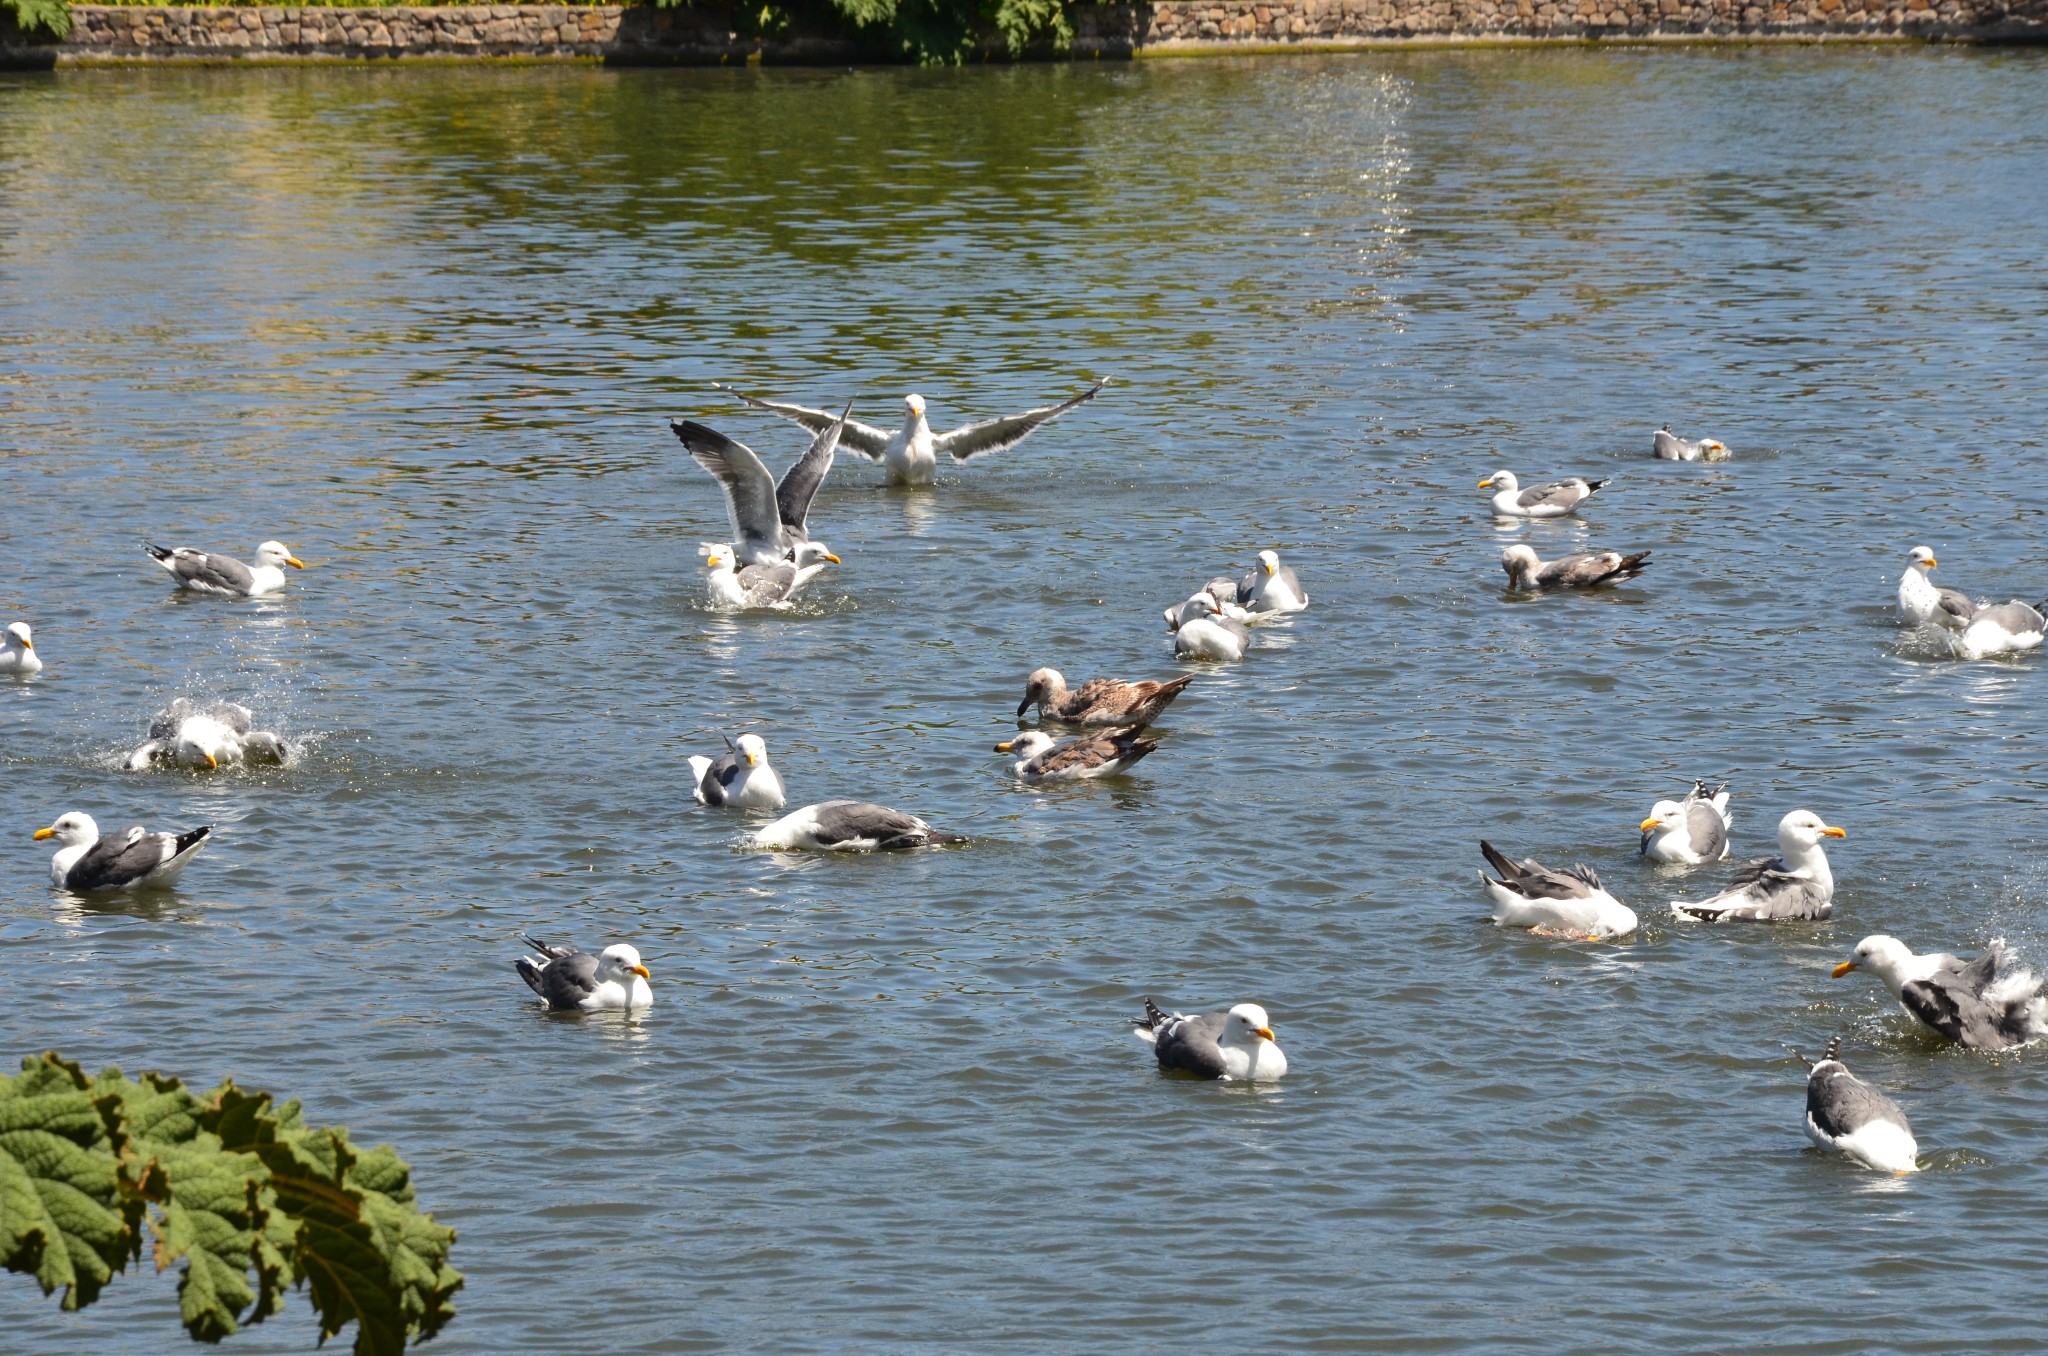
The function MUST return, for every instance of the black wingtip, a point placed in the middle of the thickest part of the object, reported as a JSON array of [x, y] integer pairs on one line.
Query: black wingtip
[[1593, 485], [192, 838], [1499, 861], [156, 552]]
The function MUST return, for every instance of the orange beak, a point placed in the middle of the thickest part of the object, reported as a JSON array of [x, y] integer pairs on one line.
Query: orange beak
[[1844, 968], [1647, 825], [1264, 1033], [295, 562], [41, 834], [639, 970], [1832, 832]]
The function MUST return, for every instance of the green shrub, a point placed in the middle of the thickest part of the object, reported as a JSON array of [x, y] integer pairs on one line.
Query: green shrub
[[49, 16]]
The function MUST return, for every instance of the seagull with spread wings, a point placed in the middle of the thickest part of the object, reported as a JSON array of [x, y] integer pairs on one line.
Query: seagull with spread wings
[[769, 521]]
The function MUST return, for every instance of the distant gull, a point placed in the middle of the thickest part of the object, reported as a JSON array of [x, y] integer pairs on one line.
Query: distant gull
[[612, 980], [1529, 572], [18, 651], [1237, 1044], [909, 455], [1041, 758], [217, 735], [769, 521], [1553, 500], [1797, 884], [1271, 588], [209, 572], [740, 777], [1099, 701], [1668, 446], [1201, 631], [759, 585], [134, 859], [1967, 1003], [2008, 628], [1567, 903], [1690, 831], [1844, 1112], [1921, 602], [849, 826]]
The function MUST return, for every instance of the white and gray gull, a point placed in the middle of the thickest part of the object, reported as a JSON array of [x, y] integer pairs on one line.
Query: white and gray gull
[[217, 735], [1237, 1044], [18, 650], [1921, 602], [1529, 573], [1668, 446], [740, 777], [1099, 701], [909, 455], [1201, 631], [1967, 1003], [849, 826], [613, 980], [1041, 758], [1568, 903], [769, 520], [1553, 500], [224, 576], [1845, 1113], [737, 589], [133, 859], [2008, 628], [1796, 884], [1271, 588], [1689, 831]]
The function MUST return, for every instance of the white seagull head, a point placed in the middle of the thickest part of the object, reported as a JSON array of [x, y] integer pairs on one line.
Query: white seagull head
[[812, 553], [1501, 480], [618, 961], [71, 829], [277, 555], [19, 633], [915, 403], [1802, 830], [1665, 814], [751, 750], [1027, 745], [1246, 1024], [1269, 561], [1885, 957], [1920, 558]]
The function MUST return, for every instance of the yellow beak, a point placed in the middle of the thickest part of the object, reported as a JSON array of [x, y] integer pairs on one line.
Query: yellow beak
[[1647, 825], [28, 645], [213, 762], [752, 761], [1486, 484], [41, 834], [834, 559], [1844, 968], [639, 970], [1271, 568], [1930, 562], [1832, 832], [1006, 746], [295, 562], [1264, 1033]]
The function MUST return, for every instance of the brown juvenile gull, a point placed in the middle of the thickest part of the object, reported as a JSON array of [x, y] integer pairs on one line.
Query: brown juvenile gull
[[1529, 572], [133, 859], [1099, 701], [224, 576], [1796, 884], [1237, 1044], [1967, 1003], [1553, 500], [1041, 758]]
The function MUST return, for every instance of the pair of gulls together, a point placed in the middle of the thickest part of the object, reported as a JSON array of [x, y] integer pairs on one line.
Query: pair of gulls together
[[1124, 708], [135, 859], [18, 650], [223, 734], [224, 576], [1530, 573], [1976, 631], [1211, 624], [743, 779]]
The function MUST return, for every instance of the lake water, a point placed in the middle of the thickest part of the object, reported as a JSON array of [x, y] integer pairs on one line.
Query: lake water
[[426, 326]]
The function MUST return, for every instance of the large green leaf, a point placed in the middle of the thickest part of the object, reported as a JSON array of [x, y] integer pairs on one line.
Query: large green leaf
[[63, 1217]]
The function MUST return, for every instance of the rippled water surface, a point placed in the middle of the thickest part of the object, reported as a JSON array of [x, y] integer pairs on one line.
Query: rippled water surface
[[425, 325]]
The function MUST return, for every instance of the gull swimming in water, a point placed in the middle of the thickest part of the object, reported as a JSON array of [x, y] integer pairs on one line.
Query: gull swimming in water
[[2008, 628], [1843, 1112], [18, 651], [224, 576], [1668, 446], [1528, 572], [1920, 602], [134, 859], [1796, 884], [1568, 903], [613, 980], [769, 521], [1041, 758], [849, 826], [1270, 588], [740, 777], [1690, 831], [1234, 1045], [1201, 631], [1553, 500], [759, 585], [219, 735], [1099, 701], [909, 455], [1967, 1003]]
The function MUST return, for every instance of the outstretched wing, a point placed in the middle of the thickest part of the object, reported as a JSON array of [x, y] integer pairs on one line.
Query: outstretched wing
[[865, 439], [993, 435], [749, 489], [801, 481]]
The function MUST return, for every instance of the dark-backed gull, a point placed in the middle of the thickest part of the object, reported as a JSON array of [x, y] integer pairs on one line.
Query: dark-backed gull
[[740, 777], [1237, 1044], [564, 977], [1967, 1003], [849, 826], [134, 859], [210, 572], [1843, 1112]]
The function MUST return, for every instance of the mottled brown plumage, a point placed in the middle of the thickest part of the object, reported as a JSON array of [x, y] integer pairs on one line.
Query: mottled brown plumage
[[1099, 701]]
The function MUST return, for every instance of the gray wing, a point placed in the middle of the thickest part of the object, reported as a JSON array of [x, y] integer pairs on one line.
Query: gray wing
[[167, 721], [749, 489], [1956, 604], [1192, 1044], [1557, 494], [1669, 447], [117, 859], [1952, 1001], [865, 439], [723, 770], [567, 980], [767, 584], [240, 719], [801, 481], [1245, 587], [2015, 617], [1704, 827], [1533, 880], [1224, 589], [224, 574], [843, 821], [1773, 893], [1840, 1103], [993, 435]]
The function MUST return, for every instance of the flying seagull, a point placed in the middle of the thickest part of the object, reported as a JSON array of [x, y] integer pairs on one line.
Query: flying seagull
[[1967, 1003], [1237, 1044], [224, 576], [1553, 500], [910, 454], [768, 520], [612, 980], [1843, 1112], [134, 859]]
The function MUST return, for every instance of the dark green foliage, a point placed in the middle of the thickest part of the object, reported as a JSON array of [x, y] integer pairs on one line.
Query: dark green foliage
[[932, 32], [49, 16], [247, 1195]]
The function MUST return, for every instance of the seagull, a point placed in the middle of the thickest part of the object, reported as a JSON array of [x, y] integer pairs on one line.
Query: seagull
[[2006, 629], [1690, 831], [206, 572], [18, 651], [740, 777], [1797, 884], [1568, 903], [1529, 572], [1099, 701], [1920, 602], [564, 977], [768, 520], [132, 860], [1844, 1112], [849, 826], [1554, 500], [223, 734], [910, 454], [1966, 1003], [1271, 588], [759, 585], [1041, 758], [1224, 590], [1237, 1044], [1201, 631], [1668, 446]]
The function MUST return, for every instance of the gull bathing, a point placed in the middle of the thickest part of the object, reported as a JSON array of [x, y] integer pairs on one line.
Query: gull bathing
[[909, 455], [224, 576], [1920, 602], [1668, 446], [223, 734], [1041, 758], [2007, 628], [740, 777], [1569, 903], [1099, 701], [1237, 1044], [1201, 631], [1966, 1003], [1845, 1113], [1553, 500], [18, 651], [849, 826], [131, 860], [769, 521], [759, 585], [1690, 831], [612, 980], [1529, 572], [1796, 884]]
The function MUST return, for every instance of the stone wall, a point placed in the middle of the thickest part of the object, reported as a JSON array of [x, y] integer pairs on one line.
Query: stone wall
[[639, 34]]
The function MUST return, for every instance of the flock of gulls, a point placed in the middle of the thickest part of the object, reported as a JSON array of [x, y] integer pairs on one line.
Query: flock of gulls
[[1980, 1004]]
